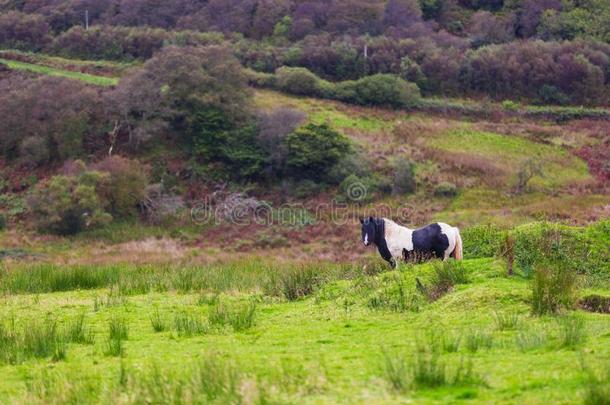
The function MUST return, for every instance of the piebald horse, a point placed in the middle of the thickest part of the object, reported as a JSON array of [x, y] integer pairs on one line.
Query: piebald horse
[[394, 241]]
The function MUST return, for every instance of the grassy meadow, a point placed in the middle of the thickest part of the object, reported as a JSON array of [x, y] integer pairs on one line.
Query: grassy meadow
[[179, 312], [255, 332]]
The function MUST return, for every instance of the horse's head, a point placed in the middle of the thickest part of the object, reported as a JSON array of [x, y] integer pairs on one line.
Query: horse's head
[[368, 230]]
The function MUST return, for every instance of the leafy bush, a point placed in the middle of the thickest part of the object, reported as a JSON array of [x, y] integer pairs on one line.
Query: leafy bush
[[314, 149], [298, 81], [69, 204], [378, 90], [482, 241], [445, 189], [126, 186], [404, 177], [2, 222], [571, 247]]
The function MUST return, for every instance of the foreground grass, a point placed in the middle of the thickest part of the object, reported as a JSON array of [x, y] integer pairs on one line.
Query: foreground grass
[[50, 71], [250, 339]]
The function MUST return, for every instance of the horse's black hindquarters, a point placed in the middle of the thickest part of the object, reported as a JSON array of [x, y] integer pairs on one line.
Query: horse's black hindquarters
[[430, 239]]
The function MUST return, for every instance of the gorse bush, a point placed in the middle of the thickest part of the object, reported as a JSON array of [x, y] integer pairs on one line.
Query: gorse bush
[[69, 204], [126, 186]]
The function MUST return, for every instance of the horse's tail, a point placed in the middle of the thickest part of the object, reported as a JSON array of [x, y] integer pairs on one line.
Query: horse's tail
[[458, 245]]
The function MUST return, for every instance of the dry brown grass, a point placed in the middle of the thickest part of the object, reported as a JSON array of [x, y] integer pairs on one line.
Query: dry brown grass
[[416, 129]]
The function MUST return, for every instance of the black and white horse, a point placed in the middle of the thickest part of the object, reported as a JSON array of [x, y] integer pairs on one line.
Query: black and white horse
[[394, 241]]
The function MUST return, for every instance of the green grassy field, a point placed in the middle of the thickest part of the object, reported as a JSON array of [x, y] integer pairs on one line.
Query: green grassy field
[[235, 334], [50, 71]]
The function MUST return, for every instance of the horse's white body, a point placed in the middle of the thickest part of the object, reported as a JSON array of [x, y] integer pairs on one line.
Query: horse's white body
[[400, 237]]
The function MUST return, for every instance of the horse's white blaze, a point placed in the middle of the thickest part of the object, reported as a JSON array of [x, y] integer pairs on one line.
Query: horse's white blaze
[[451, 237], [366, 238]]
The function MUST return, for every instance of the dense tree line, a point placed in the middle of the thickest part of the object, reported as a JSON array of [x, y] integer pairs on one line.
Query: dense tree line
[[446, 47], [486, 20]]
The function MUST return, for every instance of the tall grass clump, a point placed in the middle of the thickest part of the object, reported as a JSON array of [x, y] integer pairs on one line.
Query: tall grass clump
[[531, 339], [78, 332], [35, 339], [240, 316], [553, 289], [118, 332], [395, 296], [396, 371], [207, 380], [476, 340], [446, 275], [299, 282], [157, 322], [507, 320], [427, 370], [572, 331], [598, 388], [186, 325]]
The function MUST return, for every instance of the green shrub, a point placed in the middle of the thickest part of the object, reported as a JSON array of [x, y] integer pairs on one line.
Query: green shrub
[[2, 222], [510, 105], [482, 241], [404, 177], [69, 204], [296, 80], [314, 149], [553, 288], [378, 90], [126, 187], [552, 95], [542, 242], [445, 189], [305, 188], [358, 189], [260, 79]]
